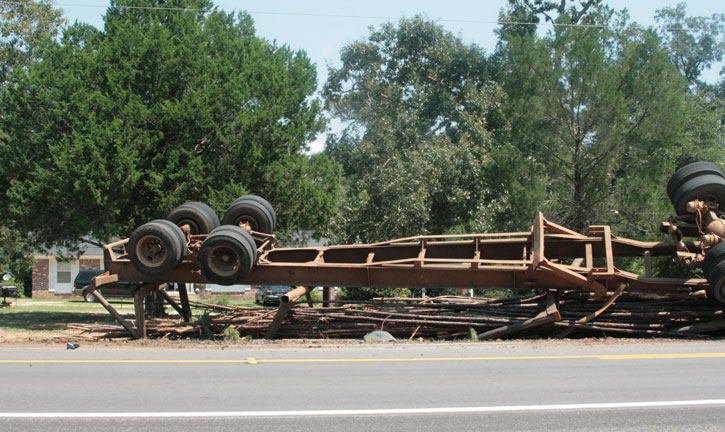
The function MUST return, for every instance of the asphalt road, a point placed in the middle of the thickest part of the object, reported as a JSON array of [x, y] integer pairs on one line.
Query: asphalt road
[[505, 386]]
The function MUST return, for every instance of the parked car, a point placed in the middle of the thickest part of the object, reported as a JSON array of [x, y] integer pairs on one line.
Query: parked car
[[270, 294], [82, 282]]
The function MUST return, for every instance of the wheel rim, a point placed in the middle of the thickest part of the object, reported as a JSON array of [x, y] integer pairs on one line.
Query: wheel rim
[[90, 297], [151, 251], [193, 226], [224, 261], [712, 201], [253, 224]]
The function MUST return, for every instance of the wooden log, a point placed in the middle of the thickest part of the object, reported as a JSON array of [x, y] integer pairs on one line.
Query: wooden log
[[548, 315], [614, 330], [126, 325], [594, 315], [417, 322]]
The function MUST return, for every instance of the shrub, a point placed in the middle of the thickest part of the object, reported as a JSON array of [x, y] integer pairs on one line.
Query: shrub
[[364, 293]]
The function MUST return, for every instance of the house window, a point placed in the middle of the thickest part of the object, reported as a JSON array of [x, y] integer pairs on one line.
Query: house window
[[63, 272]]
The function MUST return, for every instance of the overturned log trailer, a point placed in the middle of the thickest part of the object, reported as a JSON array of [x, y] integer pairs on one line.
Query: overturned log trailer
[[193, 246]]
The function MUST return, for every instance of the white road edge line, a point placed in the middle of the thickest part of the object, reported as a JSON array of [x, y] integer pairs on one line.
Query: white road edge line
[[363, 412]]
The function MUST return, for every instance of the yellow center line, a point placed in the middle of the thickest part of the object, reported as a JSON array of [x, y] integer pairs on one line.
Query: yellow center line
[[251, 360]]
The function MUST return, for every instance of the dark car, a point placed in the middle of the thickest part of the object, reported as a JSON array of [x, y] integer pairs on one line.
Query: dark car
[[82, 282], [270, 294]]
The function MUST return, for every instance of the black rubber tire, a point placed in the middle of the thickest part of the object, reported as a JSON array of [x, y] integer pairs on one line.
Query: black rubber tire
[[251, 212], [226, 257], [162, 235], [705, 187], [687, 172], [716, 283], [714, 256], [262, 201], [200, 217], [180, 236], [89, 297], [249, 242]]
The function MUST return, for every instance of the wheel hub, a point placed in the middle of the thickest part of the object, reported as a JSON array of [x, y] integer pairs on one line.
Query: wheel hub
[[151, 251], [224, 261]]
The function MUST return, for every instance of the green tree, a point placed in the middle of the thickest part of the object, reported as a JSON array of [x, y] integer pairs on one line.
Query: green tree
[[572, 13], [25, 26], [601, 117], [694, 43], [116, 127], [419, 109]]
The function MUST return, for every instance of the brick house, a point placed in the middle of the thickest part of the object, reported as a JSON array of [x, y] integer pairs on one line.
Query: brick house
[[54, 276]]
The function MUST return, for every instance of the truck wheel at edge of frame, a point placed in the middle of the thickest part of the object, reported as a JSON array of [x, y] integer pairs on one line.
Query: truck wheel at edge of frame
[[706, 187], [226, 256], [200, 217], [688, 172], [714, 256], [156, 247], [716, 283]]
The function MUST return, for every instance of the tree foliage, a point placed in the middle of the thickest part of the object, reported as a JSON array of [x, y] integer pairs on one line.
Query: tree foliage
[[694, 43], [419, 108], [116, 127], [25, 26], [602, 117], [574, 13]]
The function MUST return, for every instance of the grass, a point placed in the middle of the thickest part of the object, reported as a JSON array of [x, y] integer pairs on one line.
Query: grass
[[27, 313], [227, 301], [35, 320]]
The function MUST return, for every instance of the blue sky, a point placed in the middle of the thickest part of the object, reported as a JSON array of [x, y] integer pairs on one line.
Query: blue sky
[[323, 27]]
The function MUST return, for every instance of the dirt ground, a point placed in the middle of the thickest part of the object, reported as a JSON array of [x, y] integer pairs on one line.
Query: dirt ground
[[59, 337]]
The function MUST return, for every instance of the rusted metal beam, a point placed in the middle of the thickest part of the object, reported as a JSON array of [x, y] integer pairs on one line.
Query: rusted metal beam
[[286, 302], [513, 277], [308, 296], [326, 297], [558, 229], [107, 279], [172, 302], [121, 320], [505, 260], [184, 298], [648, 263], [294, 295], [138, 304], [537, 234], [284, 308], [139, 316]]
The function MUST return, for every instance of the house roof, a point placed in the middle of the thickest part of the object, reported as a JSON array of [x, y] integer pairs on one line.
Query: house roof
[[87, 249]]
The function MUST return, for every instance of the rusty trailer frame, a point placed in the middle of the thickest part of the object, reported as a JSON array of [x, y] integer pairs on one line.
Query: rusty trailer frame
[[549, 257]]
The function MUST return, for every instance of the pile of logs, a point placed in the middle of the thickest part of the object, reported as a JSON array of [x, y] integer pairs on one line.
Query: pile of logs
[[567, 314]]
